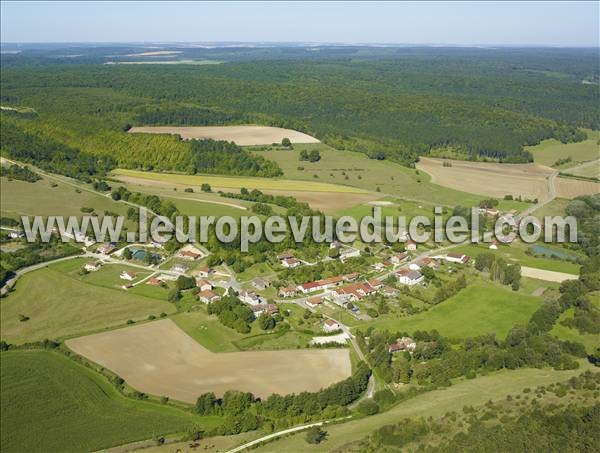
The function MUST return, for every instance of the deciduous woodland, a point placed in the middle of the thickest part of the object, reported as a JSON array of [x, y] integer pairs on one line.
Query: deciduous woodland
[[399, 107]]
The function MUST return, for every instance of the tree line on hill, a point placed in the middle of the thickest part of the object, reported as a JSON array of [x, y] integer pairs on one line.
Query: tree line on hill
[[227, 158], [19, 173]]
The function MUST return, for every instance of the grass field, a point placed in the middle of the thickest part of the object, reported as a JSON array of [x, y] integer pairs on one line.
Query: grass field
[[208, 331], [60, 305], [233, 182], [179, 367], [436, 403], [588, 170], [51, 404], [107, 276], [476, 310], [549, 151], [40, 198], [556, 207], [357, 170], [516, 253]]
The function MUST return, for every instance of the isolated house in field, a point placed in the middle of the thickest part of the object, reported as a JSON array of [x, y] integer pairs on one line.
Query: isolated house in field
[[127, 275], [398, 258], [92, 266], [409, 277], [288, 291], [494, 245], [154, 282], [411, 246], [403, 344], [290, 263], [260, 283], [314, 301], [190, 255], [205, 271], [457, 258], [208, 296], [330, 326], [106, 249], [204, 285]]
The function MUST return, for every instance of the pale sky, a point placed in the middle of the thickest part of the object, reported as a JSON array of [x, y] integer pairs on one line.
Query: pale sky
[[453, 23]]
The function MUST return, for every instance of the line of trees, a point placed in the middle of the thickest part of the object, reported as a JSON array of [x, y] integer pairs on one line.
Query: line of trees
[[243, 411]]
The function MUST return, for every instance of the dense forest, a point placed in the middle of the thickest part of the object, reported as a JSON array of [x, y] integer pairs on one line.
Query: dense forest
[[396, 103]]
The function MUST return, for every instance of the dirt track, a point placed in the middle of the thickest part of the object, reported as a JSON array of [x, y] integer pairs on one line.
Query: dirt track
[[241, 135], [159, 358], [549, 276]]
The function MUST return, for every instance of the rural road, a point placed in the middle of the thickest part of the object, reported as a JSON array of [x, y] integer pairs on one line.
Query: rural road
[[551, 196], [282, 433]]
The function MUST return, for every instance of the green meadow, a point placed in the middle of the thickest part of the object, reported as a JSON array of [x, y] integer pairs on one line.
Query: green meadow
[[52, 404], [476, 310], [357, 170], [59, 305], [549, 151]]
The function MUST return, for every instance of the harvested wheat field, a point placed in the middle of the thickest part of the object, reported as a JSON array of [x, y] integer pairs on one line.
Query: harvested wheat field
[[160, 359], [241, 135], [571, 188], [490, 179]]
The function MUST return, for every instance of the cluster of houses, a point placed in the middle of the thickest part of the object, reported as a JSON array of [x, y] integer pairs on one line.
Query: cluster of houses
[[326, 283]]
